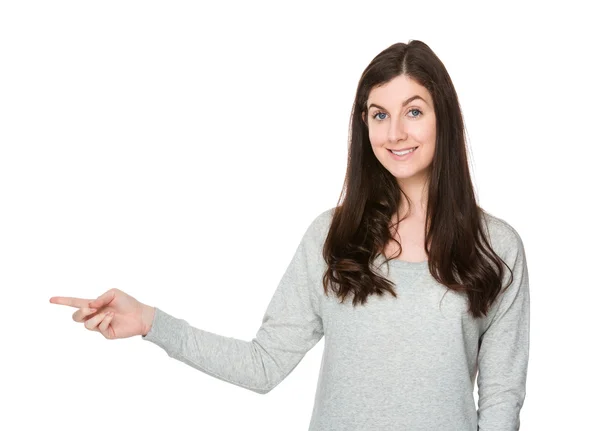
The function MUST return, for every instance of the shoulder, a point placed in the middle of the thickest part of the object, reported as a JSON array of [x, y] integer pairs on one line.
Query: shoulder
[[323, 219], [319, 226], [503, 236]]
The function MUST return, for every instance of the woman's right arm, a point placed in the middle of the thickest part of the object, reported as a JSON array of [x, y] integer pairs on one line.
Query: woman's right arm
[[291, 326]]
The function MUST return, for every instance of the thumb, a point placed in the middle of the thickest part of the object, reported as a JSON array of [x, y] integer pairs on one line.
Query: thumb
[[103, 299]]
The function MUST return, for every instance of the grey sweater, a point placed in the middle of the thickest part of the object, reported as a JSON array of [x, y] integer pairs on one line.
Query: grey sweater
[[406, 363]]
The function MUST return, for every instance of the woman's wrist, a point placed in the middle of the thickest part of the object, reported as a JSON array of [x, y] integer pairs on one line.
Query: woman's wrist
[[147, 318]]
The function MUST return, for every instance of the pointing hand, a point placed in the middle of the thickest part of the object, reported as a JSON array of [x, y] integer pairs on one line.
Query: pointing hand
[[114, 314]]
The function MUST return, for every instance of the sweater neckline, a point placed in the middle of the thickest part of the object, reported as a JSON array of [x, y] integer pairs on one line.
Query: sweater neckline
[[404, 264]]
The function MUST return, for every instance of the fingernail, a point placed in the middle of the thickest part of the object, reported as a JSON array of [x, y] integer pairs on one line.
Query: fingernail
[[93, 310]]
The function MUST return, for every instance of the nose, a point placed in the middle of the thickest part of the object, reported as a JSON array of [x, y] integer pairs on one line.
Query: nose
[[396, 131]]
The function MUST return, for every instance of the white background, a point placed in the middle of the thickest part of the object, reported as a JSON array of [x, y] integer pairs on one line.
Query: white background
[[179, 150]]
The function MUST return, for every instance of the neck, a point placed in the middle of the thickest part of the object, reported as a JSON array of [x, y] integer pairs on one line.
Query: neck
[[416, 192]]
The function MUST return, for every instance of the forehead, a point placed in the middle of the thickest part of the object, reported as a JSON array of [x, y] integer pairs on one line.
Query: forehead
[[397, 90]]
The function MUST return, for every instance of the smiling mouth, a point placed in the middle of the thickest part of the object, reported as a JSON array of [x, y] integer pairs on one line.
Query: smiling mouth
[[411, 150]]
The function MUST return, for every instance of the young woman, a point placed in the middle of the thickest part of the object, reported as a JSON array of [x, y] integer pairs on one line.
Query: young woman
[[414, 286]]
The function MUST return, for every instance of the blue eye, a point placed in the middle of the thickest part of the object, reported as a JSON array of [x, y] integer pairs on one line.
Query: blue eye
[[412, 110]]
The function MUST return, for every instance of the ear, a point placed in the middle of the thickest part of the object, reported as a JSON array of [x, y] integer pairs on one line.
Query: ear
[[363, 118]]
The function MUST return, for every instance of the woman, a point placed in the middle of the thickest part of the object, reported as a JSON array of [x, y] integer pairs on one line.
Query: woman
[[403, 353]]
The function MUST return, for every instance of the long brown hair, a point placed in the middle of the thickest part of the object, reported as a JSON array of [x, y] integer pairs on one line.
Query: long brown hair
[[454, 241]]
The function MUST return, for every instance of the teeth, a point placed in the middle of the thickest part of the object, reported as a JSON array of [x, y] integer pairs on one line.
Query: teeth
[[401, 153]]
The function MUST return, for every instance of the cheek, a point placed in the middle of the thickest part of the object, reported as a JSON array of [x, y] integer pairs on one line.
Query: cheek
[[430, 132], [377, 136], [424, 134], [432, 135]]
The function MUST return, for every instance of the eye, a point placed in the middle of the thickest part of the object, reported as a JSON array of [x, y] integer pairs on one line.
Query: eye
[[375, 115], [415, 109]]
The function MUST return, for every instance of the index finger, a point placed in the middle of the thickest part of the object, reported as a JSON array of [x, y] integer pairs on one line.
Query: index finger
[[71, 302]]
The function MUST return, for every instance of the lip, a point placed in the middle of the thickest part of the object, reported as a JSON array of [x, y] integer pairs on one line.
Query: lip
[[404, 157], [405, 148]]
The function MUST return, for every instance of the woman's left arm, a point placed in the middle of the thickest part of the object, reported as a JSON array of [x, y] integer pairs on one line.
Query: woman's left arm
[[504, 350]]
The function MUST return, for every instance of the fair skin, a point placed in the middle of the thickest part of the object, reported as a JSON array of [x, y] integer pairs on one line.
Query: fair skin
[[129, 316], [397, 122]]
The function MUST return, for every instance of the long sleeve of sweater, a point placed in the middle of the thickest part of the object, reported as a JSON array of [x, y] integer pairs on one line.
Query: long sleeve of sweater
[[291, 326], [504, 348]]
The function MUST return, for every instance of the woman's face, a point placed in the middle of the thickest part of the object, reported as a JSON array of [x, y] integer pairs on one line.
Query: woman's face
[[397, 121]]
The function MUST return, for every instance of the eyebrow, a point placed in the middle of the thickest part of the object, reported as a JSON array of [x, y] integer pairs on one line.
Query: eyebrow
[[406, 102]]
